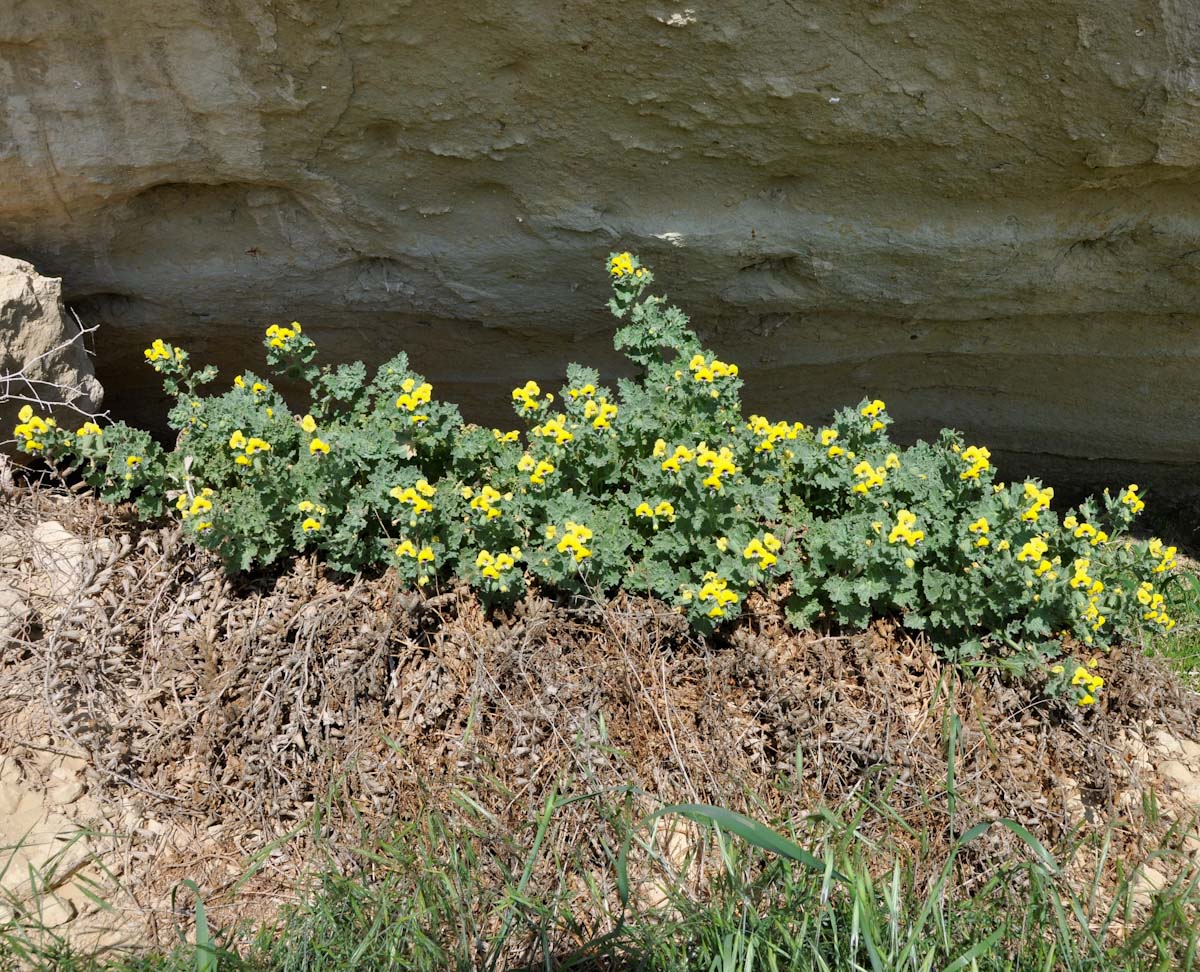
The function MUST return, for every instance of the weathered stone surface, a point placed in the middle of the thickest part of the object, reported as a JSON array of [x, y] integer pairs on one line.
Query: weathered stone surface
[[985, 214], [42, 359]]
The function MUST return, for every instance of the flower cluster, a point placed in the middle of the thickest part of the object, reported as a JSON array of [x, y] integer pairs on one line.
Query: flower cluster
[[770, 433], [976, 458], [31, 429], [870, 477], [423, 556], [574, 540], [493, 565], [1152, 601], [196, 506], [706, 370], [719, 463], [903, 530], [716, 589], [1091, 684], [622, 265], [824, 521], [250, 447], [554, 429], [601, 413], [527, 396], [485, 500], [1165, 555], [1041, 501], [873, 410], [160, 352], [664, 509], [1129, 496], [538, 469], [281, 337], [828, 439], [765, 549], [417, 496], [413, 397]]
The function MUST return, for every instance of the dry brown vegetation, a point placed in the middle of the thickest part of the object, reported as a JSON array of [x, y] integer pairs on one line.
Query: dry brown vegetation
[[234, 711]]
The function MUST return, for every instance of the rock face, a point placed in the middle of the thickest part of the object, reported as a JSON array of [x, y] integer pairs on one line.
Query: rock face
[[42, 358], [986, 214]]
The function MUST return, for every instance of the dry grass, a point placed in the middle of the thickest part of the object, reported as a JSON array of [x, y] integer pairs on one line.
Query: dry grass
[[233, 709]]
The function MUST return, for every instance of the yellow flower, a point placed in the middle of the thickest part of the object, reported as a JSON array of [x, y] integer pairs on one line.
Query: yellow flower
[[643, 510], [827, 436], [414, 397], [606, 413], [554, 429], [722, 544], [574, 540], [665, 509], [305, 506], [26, 414], [317, 445], [237, 440], [1131, 499], [1033, 550], [1041, 501], [425, 555], [254, 445], [242, 460], [406, 548], [681, 454], [977, 457], [89, 428], [157, 351], [239, 382], [903, 530], [133, 461], [410, 495], [621, 265], [873, 409], [310, 524], [309, 424], [528, 394]]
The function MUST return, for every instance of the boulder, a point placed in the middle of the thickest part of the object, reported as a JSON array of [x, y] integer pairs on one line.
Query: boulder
[[42, 358], [982, 213]]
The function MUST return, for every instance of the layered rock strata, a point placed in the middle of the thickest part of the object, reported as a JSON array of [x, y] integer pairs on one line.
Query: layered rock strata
[[985, 214]]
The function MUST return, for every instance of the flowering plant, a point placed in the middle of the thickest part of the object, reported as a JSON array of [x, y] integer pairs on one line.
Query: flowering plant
[[660, 485]]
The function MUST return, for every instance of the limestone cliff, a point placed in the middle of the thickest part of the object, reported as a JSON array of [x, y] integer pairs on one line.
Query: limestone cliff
[[987, 214]]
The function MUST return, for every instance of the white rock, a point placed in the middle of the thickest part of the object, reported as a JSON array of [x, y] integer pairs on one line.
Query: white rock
[[64, 794], [11, 795], [38, 338], [59, 558], [1176, 772], [1165, 742]]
